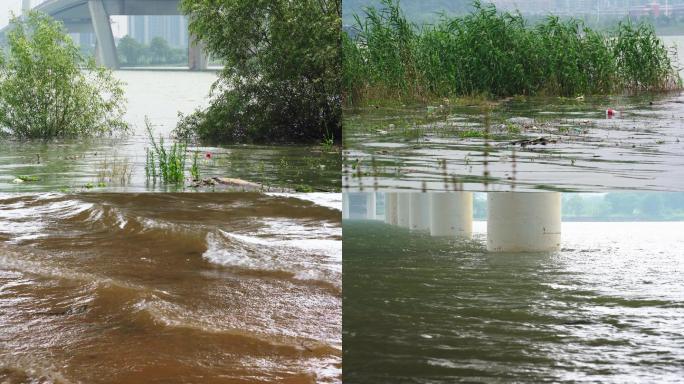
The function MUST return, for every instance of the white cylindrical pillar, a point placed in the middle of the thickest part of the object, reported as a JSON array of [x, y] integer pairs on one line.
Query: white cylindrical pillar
[[523, 221], [403, 209], [370, 206], [451, 214], [419, 215]]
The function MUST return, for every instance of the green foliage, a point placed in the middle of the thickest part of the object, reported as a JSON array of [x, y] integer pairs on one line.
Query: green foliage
[[281, 81], [130, 51], [133, 53], [28, 178], [48, 89], [167, 165], [497, 54], [624, 206], [194, 170]]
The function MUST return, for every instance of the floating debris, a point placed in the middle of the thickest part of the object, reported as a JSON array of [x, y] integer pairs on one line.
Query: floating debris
[[236, 184], [539, 141]]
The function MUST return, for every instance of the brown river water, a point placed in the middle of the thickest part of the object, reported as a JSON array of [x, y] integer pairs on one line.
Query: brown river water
[[170, 288]]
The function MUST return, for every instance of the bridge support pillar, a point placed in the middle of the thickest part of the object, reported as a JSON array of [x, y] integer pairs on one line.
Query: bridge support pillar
[[105, 51], [25, 7], [370, 206], [197, 57], [451, 214], [391, 208], [419, 218], [403, 209], [523, 222]]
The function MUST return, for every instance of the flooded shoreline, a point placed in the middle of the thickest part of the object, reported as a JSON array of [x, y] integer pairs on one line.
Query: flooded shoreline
[[483, 146], [118, 164], [520, 143], [121, 288]]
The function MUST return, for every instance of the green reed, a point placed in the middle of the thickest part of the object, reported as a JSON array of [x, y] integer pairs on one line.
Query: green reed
[[497, 54], [166, 164]]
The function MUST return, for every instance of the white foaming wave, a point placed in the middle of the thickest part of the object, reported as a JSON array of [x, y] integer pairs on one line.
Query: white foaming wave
[[331, 248], [172, 315], [327, 247], [299, 229], [42, 265], [241, 253], [303, 260], [58, 209], [324, 199]]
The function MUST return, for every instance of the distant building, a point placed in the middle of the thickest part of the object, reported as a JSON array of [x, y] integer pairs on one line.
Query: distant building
[[173, 29]]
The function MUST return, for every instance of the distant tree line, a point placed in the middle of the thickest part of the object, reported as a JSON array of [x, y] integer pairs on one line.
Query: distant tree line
[[625, 205], [158, 52], [616, 206], [429, 11]]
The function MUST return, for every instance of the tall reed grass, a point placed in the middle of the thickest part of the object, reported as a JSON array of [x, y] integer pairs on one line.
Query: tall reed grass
[[165, 164], [497, 54]]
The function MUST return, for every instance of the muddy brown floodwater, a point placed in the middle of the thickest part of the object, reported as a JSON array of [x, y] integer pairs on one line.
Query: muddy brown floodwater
[[170, 288]]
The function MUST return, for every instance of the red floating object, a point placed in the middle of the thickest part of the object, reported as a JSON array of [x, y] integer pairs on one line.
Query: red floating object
[[208, 155], [610, 112]]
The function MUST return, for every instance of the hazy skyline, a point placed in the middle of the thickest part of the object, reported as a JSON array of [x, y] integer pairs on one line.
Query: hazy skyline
[[119, 23], [7, 10]]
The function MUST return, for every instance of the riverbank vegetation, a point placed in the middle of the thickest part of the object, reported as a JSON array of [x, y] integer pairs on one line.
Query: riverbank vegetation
[[497, 54], [281, 81], [48, 89]]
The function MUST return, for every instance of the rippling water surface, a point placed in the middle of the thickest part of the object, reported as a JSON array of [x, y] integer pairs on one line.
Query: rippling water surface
[[170, 288], [607, 308]]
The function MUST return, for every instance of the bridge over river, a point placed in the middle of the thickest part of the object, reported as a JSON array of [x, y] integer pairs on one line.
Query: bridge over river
[[92, 16]]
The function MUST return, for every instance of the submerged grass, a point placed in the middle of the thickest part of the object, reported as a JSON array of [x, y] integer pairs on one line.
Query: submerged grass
[[488, 53], [115, 171], [167, 165]]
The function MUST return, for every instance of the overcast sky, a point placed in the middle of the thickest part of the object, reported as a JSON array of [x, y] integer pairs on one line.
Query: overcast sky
[[6, 8]]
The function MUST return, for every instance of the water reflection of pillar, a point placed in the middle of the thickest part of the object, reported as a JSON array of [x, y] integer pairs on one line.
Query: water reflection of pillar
[[523, 221], [419, 219], [370, 206], [403, 209], [451, 214], [345, 206], [391, 208]]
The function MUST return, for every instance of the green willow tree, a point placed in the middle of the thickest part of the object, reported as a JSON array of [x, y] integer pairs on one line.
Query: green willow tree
[[48, 89], [281, 81]]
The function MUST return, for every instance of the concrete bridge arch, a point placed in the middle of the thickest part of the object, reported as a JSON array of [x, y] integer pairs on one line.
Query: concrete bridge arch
[[84, 16]]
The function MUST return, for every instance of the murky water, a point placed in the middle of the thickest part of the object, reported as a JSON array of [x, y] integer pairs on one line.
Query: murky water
[[170, 288], [119, 165], [607, 308], [441, 147]]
